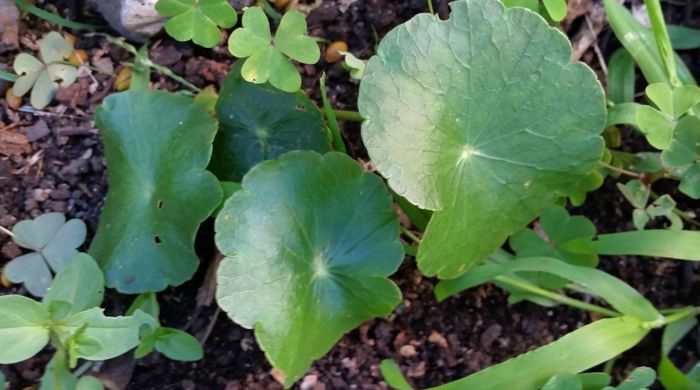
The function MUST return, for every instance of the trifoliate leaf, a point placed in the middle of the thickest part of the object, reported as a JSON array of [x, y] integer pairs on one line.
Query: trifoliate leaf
[[198, 20], [24, 328], [266, 61], [309, 242], [483, 119], [43, 77], [665, 207], [55, 242], [260, 122], [80, 283], [157, 147], [683, 155], [636, 192]]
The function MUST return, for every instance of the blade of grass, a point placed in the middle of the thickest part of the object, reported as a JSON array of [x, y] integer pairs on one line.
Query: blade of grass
[[11, 77], [680, 245], [663, 42], [55, 19], [338, 143]]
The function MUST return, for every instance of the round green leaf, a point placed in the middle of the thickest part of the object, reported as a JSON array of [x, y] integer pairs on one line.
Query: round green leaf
[[24, 328], [157, 147], [483, 119], [309, 241], [260, 122]]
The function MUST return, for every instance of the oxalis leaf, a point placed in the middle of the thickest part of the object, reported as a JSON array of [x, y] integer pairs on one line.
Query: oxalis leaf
[[260, 122], [198, 20], [157, 147], [54, 241], [481, 118], [309, 242], [266, 61]]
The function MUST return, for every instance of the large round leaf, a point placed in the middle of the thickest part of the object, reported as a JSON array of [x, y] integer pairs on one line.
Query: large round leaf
[[157, 147], [260, 122], [481, 118], [309, 242]]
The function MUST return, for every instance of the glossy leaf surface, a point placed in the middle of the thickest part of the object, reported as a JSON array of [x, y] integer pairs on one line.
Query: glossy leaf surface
[[309, 242], [157, 146], [481, 118]]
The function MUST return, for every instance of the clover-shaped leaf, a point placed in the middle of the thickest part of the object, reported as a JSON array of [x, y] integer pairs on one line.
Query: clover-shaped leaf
[[157, 146], [266, 61], [198, 20], [659, 125], [557, 227], [260, 122], [309, 242], [54, 242], [43, 78], [483, 119], [683, 155]]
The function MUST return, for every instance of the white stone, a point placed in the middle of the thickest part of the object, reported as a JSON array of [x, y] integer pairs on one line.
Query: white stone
[[136, 20]]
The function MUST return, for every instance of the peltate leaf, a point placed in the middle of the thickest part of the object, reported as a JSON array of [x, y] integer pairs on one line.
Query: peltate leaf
[[24, 328], [157, 147], [309, 241], [260, 122], [198, 20], [481, 118]]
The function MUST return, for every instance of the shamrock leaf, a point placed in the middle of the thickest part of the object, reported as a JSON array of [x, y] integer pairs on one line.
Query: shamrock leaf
[[54, 241], [198, 20], [638, 193], [659, 125], [157, 147], [557, 227], [260, 122], [266, 61], [683, 155], [43, 77], [309, 243], [483, 119]]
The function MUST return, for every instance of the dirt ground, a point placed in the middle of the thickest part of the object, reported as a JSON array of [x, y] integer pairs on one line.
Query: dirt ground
[[53, 161]]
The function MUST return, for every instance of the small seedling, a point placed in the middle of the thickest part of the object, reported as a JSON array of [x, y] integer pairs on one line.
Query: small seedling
[[638, 194], [53, 240], [266, 60], [197, 20], [42, 76]]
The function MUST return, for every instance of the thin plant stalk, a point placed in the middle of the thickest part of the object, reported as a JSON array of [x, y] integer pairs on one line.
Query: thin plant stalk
[[663, 41]]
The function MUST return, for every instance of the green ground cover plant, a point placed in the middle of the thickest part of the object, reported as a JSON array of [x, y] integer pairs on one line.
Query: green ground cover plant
[[482, 131]]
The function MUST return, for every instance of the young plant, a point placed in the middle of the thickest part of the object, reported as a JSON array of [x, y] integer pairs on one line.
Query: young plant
[[270, 60], [70, 319], [42, 76], [54, 242], [197, 20], [454, 128]]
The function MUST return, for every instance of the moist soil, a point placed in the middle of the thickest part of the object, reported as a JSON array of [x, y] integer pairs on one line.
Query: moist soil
[[53, 161]]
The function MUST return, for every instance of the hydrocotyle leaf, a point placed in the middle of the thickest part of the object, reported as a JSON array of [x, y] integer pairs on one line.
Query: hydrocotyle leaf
[[577, 351], [260, 122], [157, 146], [24, 328], [309, 243], [483, 119]]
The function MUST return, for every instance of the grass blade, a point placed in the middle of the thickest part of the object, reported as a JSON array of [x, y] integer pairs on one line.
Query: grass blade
[[680, 245], [55, 19]]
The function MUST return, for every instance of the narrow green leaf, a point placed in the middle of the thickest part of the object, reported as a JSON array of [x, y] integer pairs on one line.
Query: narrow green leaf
[[617, 293], [338, 144], [680, 245], [669, 374], [393, 376], [621, 77], [684, 38], [55, 19], [577, 351]]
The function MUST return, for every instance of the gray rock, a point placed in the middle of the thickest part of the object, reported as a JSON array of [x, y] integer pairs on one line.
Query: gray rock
[[136, 20]]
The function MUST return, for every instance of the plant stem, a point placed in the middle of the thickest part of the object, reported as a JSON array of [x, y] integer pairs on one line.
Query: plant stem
[[410, 235], [531, 288], [82, 369], [345, 115], [430, 7], [619, 170], [679, 315], [663, 42], [98, 70], [6, 231], [7, 76]]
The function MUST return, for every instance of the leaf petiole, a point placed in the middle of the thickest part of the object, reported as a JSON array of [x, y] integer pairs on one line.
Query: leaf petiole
[[6, 231], [619, 170], [345, 115]]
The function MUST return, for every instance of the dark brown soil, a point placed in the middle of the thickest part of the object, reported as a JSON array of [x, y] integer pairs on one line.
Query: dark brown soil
[[57, 165]]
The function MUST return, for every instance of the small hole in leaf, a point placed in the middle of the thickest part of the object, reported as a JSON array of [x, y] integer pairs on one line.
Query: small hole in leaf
[[160, 204], [157, 240], [301, 107]]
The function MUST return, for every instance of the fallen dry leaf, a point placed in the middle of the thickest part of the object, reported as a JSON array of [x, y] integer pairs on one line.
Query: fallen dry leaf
[[13, 143]]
